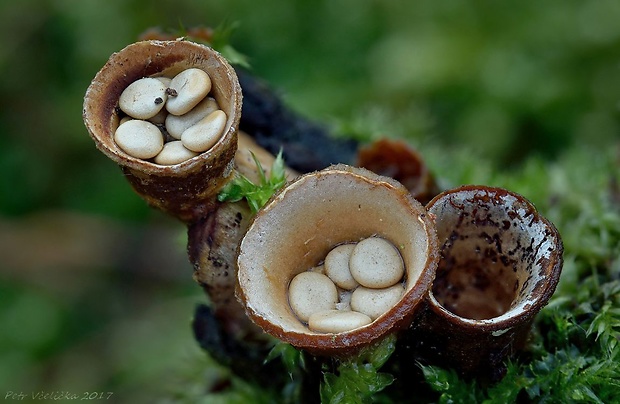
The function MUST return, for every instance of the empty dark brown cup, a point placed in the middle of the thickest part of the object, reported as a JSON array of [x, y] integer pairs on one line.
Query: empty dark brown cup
[[500, 263]]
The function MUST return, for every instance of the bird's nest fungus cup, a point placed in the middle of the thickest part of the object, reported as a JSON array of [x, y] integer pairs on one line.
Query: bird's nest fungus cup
[[293, 233], [186, 189], [500, 264]]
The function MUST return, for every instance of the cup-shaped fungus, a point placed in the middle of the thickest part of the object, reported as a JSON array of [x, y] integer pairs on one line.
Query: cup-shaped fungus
[[142, 83], [500, 263], [396, 159], [285, 248]]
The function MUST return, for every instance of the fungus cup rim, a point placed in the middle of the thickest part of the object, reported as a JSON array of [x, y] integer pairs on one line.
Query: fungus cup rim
[[526, 310], [150, 58], [396, 318]]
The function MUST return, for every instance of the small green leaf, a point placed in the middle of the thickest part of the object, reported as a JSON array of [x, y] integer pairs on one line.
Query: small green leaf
[[255, 194], [292, 358], [220, 41], [357, 379], [436, 377]]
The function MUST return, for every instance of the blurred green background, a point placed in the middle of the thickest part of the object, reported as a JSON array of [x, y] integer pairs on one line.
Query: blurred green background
[[95, 288]]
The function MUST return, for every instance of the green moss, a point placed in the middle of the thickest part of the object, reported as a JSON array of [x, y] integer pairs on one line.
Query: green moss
[[255, 194]]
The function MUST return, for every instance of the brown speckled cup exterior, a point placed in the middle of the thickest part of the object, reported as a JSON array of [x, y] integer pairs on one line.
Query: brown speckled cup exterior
[[500, 263], [186, 190]]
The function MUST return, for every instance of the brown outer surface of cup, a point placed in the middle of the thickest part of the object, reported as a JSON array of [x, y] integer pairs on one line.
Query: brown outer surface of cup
[[186, 190], [477, 348], [396, 159], [304, 239]]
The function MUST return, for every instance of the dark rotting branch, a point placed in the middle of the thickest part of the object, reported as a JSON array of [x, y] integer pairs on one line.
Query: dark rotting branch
[[306, 145]]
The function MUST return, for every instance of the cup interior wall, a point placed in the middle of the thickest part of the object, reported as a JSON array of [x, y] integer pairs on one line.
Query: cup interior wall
[[296, 236]]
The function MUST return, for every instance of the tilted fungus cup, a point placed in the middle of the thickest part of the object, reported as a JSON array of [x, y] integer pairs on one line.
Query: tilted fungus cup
[[500, 263], [185, 190], [396, 159], [296, 229]]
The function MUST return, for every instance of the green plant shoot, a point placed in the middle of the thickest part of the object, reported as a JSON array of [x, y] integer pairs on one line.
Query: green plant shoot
[[358, 379], [255, 194]]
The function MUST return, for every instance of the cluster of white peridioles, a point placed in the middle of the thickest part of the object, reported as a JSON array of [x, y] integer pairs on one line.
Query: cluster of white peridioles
[[169, 120]]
